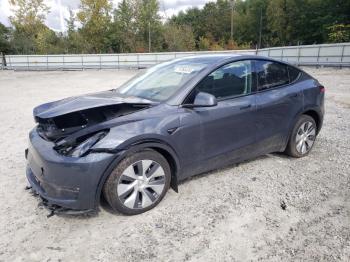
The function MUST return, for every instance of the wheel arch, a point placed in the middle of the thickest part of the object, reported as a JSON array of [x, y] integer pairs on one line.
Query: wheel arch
[[159, 146], [312, 112], [174, 166], [316, 116]]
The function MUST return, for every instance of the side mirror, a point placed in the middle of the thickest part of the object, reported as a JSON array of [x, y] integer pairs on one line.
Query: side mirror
[[202, 100]]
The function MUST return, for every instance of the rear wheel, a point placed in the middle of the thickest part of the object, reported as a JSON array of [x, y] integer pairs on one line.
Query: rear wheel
[[303, 137], [138, 183]]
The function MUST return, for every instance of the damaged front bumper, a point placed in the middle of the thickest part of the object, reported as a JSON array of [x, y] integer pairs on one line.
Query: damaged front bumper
[[64, 182]]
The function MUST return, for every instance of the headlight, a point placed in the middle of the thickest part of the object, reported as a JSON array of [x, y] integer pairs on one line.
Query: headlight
[[82, 147]]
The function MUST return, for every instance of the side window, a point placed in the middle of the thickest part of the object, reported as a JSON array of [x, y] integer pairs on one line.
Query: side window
[[231, 80], [271, 74], [294, 73]]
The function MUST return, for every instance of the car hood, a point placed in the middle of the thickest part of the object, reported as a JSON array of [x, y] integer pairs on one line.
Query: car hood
[[80, 103], [64, 117]]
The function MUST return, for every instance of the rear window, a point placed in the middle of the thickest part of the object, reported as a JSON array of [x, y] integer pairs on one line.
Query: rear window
[[294, 73], [271, 74]]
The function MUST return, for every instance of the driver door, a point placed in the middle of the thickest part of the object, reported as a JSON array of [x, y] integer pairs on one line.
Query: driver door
[[228, 130]]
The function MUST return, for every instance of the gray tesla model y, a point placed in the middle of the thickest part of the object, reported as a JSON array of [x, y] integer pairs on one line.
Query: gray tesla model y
[[175, 120]]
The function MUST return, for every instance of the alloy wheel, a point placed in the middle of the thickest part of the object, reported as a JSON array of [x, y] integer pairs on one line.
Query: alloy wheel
[[305, 137], [141, 184]]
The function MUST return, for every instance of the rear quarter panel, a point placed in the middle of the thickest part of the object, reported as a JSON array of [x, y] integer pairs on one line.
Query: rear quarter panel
[[313, 98]]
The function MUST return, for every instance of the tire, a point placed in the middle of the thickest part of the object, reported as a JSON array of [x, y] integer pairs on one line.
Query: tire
[[303, 137], [138, 183]]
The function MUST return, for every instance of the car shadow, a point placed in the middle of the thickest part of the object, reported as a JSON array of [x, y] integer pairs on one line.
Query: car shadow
[[230, 166], [105, 206]]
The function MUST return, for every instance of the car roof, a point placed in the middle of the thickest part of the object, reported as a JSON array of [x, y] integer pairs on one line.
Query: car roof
[[219, 57], [212, 59]]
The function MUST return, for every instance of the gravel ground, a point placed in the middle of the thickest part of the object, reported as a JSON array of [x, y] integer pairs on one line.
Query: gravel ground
[[232, 214]]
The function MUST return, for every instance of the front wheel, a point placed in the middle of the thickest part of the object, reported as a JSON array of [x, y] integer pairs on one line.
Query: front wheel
[[303, 137], [138, 183]]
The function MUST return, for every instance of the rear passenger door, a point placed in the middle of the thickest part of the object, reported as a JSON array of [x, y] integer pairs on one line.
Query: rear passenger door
[[279, 99]]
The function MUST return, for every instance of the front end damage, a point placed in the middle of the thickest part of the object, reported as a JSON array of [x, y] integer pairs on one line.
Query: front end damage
[[57, 127], [64, 182], [62, 169], [56, 209], [75, 133]]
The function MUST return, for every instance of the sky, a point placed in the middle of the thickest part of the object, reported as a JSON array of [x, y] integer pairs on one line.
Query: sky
[[59, 10]]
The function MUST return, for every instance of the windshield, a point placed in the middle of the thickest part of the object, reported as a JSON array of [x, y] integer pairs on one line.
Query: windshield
[[160, 82]]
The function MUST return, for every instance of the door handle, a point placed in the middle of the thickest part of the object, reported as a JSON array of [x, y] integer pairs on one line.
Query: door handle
[[245, 107]]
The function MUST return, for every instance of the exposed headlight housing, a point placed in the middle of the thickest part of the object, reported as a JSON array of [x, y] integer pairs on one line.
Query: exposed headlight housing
[[83, 145]]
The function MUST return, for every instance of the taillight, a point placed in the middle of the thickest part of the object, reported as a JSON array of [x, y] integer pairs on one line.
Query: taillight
[[322, 89]]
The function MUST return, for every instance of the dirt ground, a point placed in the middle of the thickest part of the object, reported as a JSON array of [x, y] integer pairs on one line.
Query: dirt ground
[[232, 214]]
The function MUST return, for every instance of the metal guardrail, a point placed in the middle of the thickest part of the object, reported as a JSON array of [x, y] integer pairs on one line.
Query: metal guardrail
[[97, 61], [313, 55]]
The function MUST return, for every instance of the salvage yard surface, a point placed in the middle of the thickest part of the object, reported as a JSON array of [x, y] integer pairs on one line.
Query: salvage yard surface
[[271, 208]]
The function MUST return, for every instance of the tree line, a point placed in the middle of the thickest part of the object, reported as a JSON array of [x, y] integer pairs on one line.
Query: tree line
[[136, 26]]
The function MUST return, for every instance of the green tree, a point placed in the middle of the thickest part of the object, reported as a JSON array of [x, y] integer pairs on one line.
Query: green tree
[[179, 38], [71, 22], [192, 17], [339, 33], [49, 42], [128, 27], [28, 14], [283, 20], [321, 14], [28, 21], [248, 17], [204, 44], [148, 24], [95, 18], [73, 40], [304, 21], [5, 34], [124, 27]]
